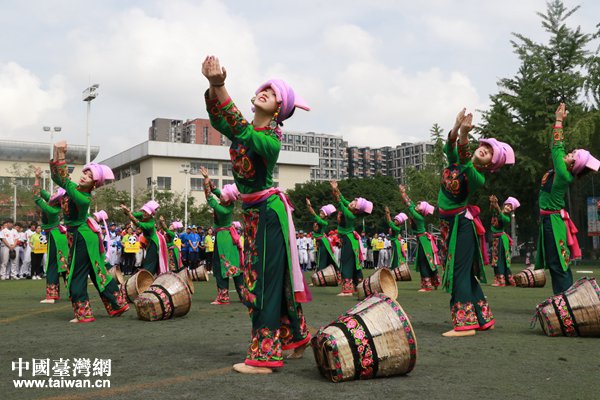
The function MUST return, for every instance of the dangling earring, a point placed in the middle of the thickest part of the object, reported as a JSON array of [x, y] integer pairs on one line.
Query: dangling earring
[[273, 123], [252, 99]]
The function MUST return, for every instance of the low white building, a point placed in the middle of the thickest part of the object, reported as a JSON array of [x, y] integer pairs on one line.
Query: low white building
[[155, 165]]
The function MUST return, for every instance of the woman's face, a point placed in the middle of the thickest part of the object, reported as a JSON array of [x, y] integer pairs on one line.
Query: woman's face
[[569, 159], [322, 215], [145, 216], [38, 229], [266, 101], [483, 155], [353, 206], [507, 208], [129, 231], [87, 180]]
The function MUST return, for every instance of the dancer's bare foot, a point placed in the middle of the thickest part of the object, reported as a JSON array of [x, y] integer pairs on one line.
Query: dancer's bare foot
[[454, 333], [344, 294], [48, 301], [296, 353], [243, 368]]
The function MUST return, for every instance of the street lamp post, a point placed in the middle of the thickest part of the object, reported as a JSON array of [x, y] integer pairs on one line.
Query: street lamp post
[[153, 186], [56, 129], [15, 201], [89, 94], [186, 171]]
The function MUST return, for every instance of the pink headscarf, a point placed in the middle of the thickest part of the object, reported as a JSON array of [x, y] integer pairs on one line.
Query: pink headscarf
[[101, 216], [100, 173], [230, 192], [401, 217], [364, 205], [177, 225], [513, 202], [425, 208], [583, 159], [150, 207], [236, 224], [503, 153], [328, 209], [55, 198], [287, 99]]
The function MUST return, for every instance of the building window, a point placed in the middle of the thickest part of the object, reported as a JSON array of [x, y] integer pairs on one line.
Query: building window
[[211, 166], [163, 182], [276, 172], [196, 183], [227, 169]]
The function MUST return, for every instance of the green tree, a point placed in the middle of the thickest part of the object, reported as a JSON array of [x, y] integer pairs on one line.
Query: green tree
[[562, 69]]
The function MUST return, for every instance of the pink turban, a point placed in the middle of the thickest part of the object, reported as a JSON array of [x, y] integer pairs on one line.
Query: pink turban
[[364, 205], [230, 192], [583, 159], [328, 209], [401, 218], [285, 96], [503, 153], [55, 198], [150, 207], [101, 215], [425, 208], [513, 202], [100, 173], [177, 225]]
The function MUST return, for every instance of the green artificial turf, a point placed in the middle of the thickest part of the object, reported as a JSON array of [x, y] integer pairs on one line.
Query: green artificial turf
[[190, 357]]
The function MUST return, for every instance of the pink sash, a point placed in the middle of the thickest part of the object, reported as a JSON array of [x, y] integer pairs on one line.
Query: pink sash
[[572, 230], [363, 251], [301, 292], [235, 238], [434, 248], [472, 213], [93, 225], [163, 256]]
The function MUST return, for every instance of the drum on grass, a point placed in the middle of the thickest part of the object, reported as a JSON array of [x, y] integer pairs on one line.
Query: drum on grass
[[530, 278], [373, 339], [382, 281], [574, 312], [200, 273], [402, 273], [184, 275], [168, 297], [137, 283], [117, 275], [328, 276]]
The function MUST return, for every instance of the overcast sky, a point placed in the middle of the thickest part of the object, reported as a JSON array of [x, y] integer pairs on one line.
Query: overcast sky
[[378, 72]]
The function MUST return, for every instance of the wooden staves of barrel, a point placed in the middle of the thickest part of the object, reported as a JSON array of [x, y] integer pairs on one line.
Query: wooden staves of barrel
[[200, 273], [373, 339], [328, 276], [168, 297], [531, 278], [402, 272], [574, 312], [185, 276], [382, 281], [139, 282]]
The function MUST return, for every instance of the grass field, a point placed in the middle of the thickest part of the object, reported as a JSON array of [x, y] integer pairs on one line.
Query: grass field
[[191, 357]]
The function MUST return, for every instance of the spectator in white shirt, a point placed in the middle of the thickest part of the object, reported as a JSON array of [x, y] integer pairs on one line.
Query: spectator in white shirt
[[10, 255]]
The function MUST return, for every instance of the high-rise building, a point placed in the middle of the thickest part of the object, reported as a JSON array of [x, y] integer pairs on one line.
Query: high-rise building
[[200, 131], [166, 130], [365, 162], [330, 148], [407, 155]]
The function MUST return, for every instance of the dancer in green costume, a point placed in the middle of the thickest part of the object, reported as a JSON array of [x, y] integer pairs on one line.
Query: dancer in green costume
[[501, 241], [274, 285], [156, 259], [325, 256], [58, 248], [86, 251], [227, 253], [398, 257], [170, 236], [462, 230], [427, 260], [351, 251], [557, 242]]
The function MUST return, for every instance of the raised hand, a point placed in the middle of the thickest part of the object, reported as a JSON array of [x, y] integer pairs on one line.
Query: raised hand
[[38, 172], [212, 70], [466, 125], [459, 119], [125, 208], [387, 210], [204, 171], [561, 112], [60, 149], [334, 184], [308, 202]]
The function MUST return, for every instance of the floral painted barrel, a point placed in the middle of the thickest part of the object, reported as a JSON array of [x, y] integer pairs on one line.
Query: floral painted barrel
[[531, 278], [574, 312], [200, 273], [382, 281], [373, 339], [168, 297], [328, 276], [137, 284], [402, 272]]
